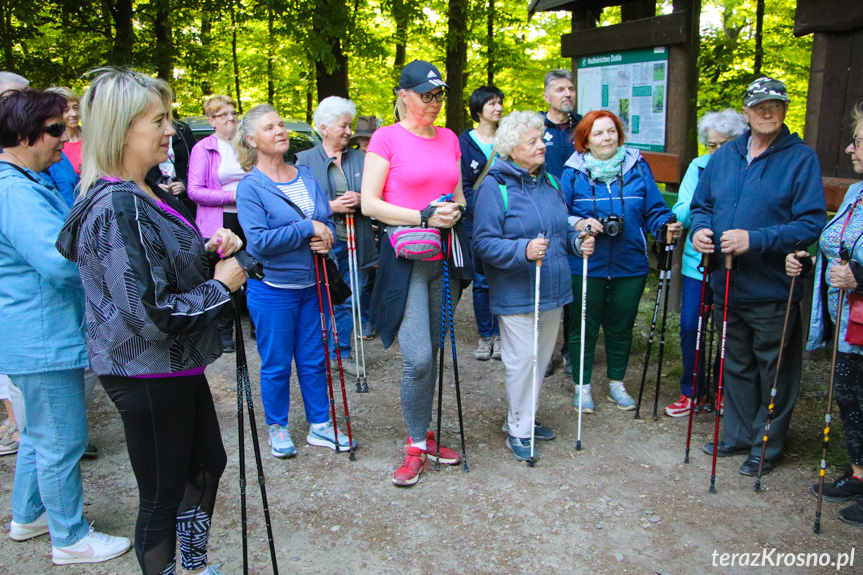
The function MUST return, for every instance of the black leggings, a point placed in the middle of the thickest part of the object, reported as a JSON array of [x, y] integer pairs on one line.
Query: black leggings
[[849, 396], [175, 447]]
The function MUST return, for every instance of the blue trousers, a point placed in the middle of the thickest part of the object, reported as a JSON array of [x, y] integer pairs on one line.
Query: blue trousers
[[53, 439], [344, 319], [689, 310], [288, 323], [486, 322]]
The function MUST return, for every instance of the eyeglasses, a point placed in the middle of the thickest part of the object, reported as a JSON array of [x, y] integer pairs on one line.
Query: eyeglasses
[[225, 115], [855, 144], [715, 145], [428, 97], [55, 130]]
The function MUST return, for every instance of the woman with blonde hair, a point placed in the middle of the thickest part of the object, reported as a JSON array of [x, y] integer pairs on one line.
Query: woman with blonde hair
[[152, 302]]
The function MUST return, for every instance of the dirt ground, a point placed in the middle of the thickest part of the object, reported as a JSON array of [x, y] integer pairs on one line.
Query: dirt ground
[[626, 503]]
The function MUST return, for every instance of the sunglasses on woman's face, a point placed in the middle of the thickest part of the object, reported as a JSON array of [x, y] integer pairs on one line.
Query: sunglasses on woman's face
[[55, 130]]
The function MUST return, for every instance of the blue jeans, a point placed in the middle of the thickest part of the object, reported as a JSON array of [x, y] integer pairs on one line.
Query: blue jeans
[[689, 311], [53, 439], [344, 319], [486, 322], [288, 323], [366, 296]]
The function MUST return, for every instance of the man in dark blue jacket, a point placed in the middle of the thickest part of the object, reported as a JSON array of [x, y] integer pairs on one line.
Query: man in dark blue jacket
[[560, 122], [759, 198]]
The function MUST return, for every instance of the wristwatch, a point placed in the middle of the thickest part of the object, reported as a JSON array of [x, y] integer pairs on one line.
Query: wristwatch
[[425, 214]]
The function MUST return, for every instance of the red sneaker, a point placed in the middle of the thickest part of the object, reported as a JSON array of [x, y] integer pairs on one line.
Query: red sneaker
[[447, 456], [679, 408], [415, 463]]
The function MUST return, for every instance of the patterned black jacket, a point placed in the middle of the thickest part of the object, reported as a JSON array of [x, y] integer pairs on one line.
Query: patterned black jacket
[[151, 301]]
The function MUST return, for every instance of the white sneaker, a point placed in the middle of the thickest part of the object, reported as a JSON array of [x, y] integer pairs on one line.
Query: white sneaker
[[95, 547], [25, 531]]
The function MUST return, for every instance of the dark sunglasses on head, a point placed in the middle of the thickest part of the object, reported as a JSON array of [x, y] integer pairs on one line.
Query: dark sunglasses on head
[[55, 130]]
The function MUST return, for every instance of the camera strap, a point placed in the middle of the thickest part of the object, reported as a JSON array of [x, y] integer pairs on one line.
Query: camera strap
[[619, 193]]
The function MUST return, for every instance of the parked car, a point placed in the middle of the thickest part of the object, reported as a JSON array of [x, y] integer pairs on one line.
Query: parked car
[[302, 135]]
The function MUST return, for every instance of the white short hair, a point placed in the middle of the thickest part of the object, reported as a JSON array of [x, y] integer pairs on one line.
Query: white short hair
[[511, 128], [12, 81], [730, 123], [329, 110]]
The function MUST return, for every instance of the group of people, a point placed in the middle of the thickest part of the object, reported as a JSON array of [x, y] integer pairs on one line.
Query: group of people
[[122, 278]]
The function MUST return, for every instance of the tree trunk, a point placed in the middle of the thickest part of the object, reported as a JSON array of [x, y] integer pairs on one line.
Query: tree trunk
[[6, 28], [332, 80], [271, 40], [234, 27], [164, 53], [490, 53], [759, 48], [456, 56], [205, 65], [124, 31], [400, 15]]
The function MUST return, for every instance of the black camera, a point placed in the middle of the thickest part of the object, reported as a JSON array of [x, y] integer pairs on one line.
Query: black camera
[[612, 225]]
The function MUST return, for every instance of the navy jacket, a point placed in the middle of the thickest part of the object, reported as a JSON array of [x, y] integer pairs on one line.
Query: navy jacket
[[778, 198], [277, 236], [624, 255], [501, 236], [473, 162], [559, 146]]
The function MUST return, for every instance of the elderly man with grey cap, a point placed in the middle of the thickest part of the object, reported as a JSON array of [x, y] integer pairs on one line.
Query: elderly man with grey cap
[[759, 197]]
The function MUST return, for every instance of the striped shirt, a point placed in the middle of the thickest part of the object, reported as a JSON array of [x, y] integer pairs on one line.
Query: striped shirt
[[296, 192]]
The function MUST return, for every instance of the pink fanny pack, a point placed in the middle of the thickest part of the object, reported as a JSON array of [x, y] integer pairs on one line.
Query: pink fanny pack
[[415, 243]]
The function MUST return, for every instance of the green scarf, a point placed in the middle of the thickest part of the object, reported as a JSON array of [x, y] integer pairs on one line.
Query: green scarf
[[605, 170]]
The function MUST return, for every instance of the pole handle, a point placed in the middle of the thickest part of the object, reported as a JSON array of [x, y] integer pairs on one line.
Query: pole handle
[[729, 261], [669, 235]]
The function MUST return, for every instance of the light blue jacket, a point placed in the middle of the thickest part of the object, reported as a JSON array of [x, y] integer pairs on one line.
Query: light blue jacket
[[41, 298], [691, 258], [820, 325]]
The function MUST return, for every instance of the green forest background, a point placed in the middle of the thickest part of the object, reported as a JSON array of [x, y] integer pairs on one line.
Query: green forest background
[[292, 52]]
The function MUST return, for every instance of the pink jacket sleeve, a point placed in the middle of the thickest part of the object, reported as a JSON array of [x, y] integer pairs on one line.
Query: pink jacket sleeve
[[201, 164]]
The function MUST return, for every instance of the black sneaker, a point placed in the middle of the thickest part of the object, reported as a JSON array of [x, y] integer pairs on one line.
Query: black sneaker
[[549, 370], [845, 488], [852, 515], [750, 466], [228, 345], [724, 450], [92, 451]]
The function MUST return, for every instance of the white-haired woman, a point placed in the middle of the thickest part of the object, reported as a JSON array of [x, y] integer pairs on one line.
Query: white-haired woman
[[287, 219], [714, 129], [409, 167], [524, 218], [152, 302], [338, 168]]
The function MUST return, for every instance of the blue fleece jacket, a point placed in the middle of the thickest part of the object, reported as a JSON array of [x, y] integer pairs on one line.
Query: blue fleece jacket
[[778, 198], [473, 161], [64, 177], [558, 144], [624, 255], [501, 236], [691, 258], [277, 236]]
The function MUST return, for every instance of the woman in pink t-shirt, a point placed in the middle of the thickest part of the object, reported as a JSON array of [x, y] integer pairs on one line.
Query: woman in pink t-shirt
[[408, 166]]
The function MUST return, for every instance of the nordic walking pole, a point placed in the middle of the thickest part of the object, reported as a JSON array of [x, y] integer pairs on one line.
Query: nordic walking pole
[[325, 340], [242, 454], [581, 356], [532, 461], [355, 304], [729, 262], [775, 385], [845, 257], [662, 266], [243, 381], [669, 254], [705, 259], [341, 370], [448, 293], [440, 376]]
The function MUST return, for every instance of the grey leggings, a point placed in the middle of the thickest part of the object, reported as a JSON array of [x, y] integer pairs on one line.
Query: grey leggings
[[419, 338]]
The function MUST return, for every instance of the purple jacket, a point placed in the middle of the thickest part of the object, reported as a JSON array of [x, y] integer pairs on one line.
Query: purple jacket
[[205, 189]]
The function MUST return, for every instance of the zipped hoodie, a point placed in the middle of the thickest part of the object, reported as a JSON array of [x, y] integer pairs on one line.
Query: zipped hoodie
[[778, 198], [473, 161], [624, 255], [501, 236], [558, 143]]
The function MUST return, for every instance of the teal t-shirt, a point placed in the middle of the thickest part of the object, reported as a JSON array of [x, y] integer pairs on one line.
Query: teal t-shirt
[[487, 149]]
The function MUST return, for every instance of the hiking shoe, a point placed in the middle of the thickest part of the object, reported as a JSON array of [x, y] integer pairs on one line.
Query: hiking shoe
[[586, 400], [8, 444], [679, 408], [483, 349], [703, 406], [750, 466], [228, 345], [95, 547], [25, 531], [447, 456], [845, 488], [540, 432], [368, 332], [724, 450], [497, 347], [617, 394], [91, 451], [549, 369], [567, 364], [327, 438], [281, 444], [348, 366], [520, 447], [416, 461], [852, 515]]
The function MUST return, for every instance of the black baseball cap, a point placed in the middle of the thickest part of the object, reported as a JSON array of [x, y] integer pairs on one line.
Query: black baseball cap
[[421, 77]]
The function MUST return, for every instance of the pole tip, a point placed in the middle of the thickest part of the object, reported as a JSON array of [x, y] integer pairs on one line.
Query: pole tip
[[578, 445], [531, 462], [352, 457]]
